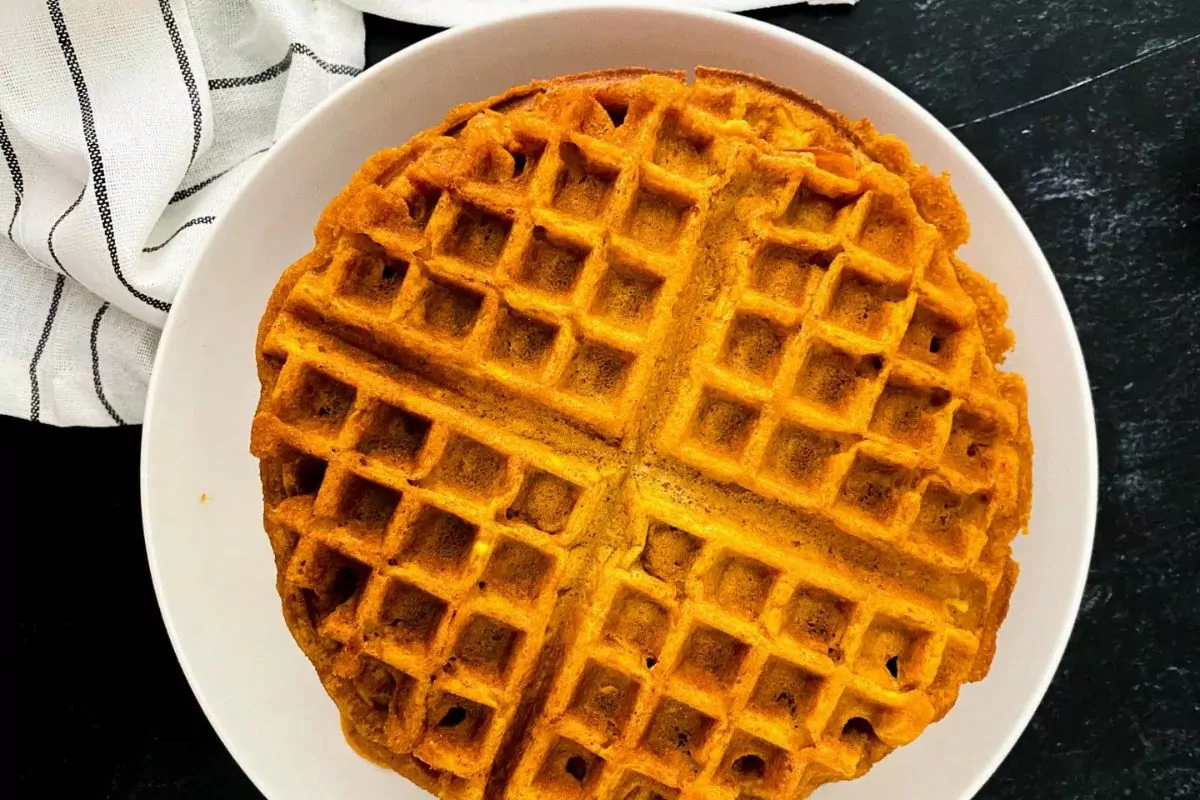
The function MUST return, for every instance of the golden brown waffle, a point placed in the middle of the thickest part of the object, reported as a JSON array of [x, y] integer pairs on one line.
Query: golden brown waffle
[[624, 438]]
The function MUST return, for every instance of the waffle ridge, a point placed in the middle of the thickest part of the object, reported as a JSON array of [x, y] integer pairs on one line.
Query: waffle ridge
[[624, 437]]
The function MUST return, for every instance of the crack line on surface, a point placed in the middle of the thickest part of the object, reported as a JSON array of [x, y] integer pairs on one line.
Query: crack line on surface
[[1144, 57]]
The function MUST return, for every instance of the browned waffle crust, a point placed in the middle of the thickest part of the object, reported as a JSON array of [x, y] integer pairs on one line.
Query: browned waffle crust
[[626, 438]]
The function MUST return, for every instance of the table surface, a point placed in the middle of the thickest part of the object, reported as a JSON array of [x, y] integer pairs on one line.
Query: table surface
[[1087, 115]]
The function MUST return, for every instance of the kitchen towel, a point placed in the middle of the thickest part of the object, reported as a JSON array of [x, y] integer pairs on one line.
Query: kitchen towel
[[126, 126]]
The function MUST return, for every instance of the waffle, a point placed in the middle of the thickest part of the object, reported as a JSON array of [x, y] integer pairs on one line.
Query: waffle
[[630, 438]]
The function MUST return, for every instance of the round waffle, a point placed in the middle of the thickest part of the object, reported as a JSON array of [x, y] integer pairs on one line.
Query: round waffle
[[628, 438]]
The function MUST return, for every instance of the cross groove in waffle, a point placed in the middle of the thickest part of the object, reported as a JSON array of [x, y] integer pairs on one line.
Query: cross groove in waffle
[[498, 613]]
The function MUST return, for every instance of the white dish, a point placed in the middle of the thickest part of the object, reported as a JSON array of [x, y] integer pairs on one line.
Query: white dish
[[211, 561]]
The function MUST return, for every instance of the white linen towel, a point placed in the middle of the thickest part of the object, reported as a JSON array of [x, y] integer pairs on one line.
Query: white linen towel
[[126, 126]]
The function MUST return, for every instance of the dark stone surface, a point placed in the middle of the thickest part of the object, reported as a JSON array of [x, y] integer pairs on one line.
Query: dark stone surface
[[1087, 114]]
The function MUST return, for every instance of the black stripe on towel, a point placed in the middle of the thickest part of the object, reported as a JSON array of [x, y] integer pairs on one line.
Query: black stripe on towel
[[189, 77], [35, 392], [184, 194], [14, 169], [93, 146], [335, 69], [112, 412], [283, 66], [54, 227], [197, 221]]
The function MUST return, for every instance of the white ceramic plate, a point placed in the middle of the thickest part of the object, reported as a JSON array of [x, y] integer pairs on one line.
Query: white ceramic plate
[[212, 564]]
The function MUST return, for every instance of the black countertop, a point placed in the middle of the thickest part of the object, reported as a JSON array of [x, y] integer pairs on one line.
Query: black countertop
[[1087, 114]]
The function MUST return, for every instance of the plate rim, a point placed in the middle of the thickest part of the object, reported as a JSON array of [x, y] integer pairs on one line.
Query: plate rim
[[842, 62]]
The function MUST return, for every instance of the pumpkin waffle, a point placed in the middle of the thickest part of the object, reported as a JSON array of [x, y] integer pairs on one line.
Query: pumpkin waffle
[[630, 438]]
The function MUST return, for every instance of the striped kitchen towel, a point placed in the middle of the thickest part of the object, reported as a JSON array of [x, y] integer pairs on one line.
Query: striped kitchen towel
[[126, 126]]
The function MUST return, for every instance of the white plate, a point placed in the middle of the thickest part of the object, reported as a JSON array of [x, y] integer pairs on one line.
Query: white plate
[[210, 559], [447, 13]]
